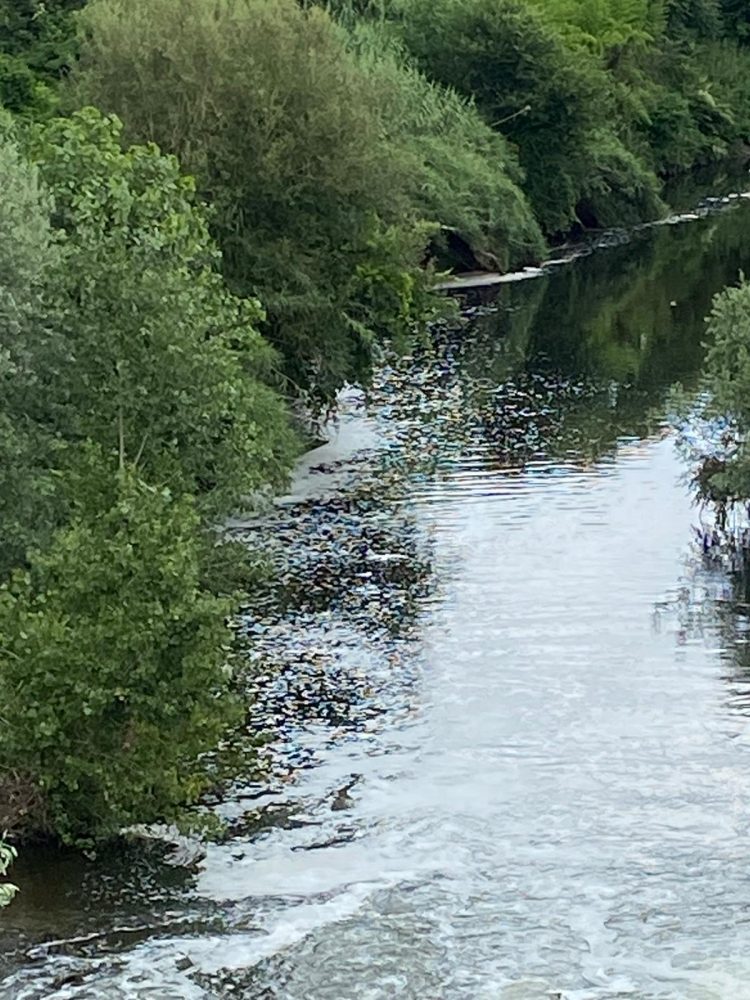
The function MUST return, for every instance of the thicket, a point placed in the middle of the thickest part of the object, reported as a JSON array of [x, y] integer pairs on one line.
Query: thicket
[[37, 45], [329, 168], [257, 207], [135, 415], [723, 454]]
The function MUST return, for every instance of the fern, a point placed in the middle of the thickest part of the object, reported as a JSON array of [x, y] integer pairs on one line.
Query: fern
[[603, 25]]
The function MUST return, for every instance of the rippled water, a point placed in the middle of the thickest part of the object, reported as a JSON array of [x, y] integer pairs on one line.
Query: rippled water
[[511, 698]]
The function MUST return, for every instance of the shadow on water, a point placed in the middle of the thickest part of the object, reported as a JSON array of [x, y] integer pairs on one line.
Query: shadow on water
[[367, 672]]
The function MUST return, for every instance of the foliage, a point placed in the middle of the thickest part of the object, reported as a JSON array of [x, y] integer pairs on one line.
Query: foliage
[[727, 385], [727, 66], [20, 90], [604, 27], [736, 16], [597, 99], [135, 414], [699, 17], [163, 367], [37, 45], [619, 188], [41, 33], [526, 82], [460, 173], [112, 675], [27, 253], [342, 147], [263, 103], [547, 92], [600, 96]]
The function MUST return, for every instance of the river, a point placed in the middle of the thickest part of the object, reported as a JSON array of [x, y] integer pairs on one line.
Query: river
[[511, 699]]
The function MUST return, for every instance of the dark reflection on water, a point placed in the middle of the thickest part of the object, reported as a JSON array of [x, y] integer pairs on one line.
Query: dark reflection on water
[[510, 701]]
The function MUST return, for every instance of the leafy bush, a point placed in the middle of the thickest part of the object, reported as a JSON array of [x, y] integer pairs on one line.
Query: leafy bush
[[736, 15], [699, 17], [163, 367], [263, 103], [724, 475], [727, 66], [135, 411], [20, 90], [42, 35], [459, 172], [604, 27], [37, 45], [546, 98], [620, 189], [28, 509], [112, 679]]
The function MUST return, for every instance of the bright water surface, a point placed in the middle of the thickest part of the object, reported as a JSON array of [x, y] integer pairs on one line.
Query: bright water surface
[[500, 631]]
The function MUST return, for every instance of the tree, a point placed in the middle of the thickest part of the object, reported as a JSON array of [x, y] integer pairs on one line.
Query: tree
[[736, 14], [136, 411], [37, 45], [460, 173], [112, 662], [41, 34], [162, 367], [724, 474], [699, 17], [263, 103], [547, 99]]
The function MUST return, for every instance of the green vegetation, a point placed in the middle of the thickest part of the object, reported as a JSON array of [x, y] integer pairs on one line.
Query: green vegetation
[[328, 169], [135, 415], [37, 45], [723, 476], [215, 215]]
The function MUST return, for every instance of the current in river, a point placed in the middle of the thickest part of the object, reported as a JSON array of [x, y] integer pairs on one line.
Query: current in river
[[509, 697]]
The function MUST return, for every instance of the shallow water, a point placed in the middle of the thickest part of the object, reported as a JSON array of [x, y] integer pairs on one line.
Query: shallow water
[[511, 698]]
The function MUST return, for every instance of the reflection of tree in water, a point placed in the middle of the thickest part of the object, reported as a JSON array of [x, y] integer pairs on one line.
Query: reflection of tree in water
[[565, 365], [634, 314], [729, 622], [713, 606]]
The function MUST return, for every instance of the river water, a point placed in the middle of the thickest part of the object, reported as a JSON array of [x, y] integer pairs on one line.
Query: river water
[[511, 698]]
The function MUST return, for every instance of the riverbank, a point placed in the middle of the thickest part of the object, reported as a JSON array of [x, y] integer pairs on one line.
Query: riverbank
[[728, 187]]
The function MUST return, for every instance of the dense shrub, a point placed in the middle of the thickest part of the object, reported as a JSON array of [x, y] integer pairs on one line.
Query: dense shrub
[[459, 172], [539, 79], [727, 381], [736, 16], [263, 103], [112, 679], [42, 34], [37, 46], [28, 508], [163, 367], [526, 82], [134, 414]]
